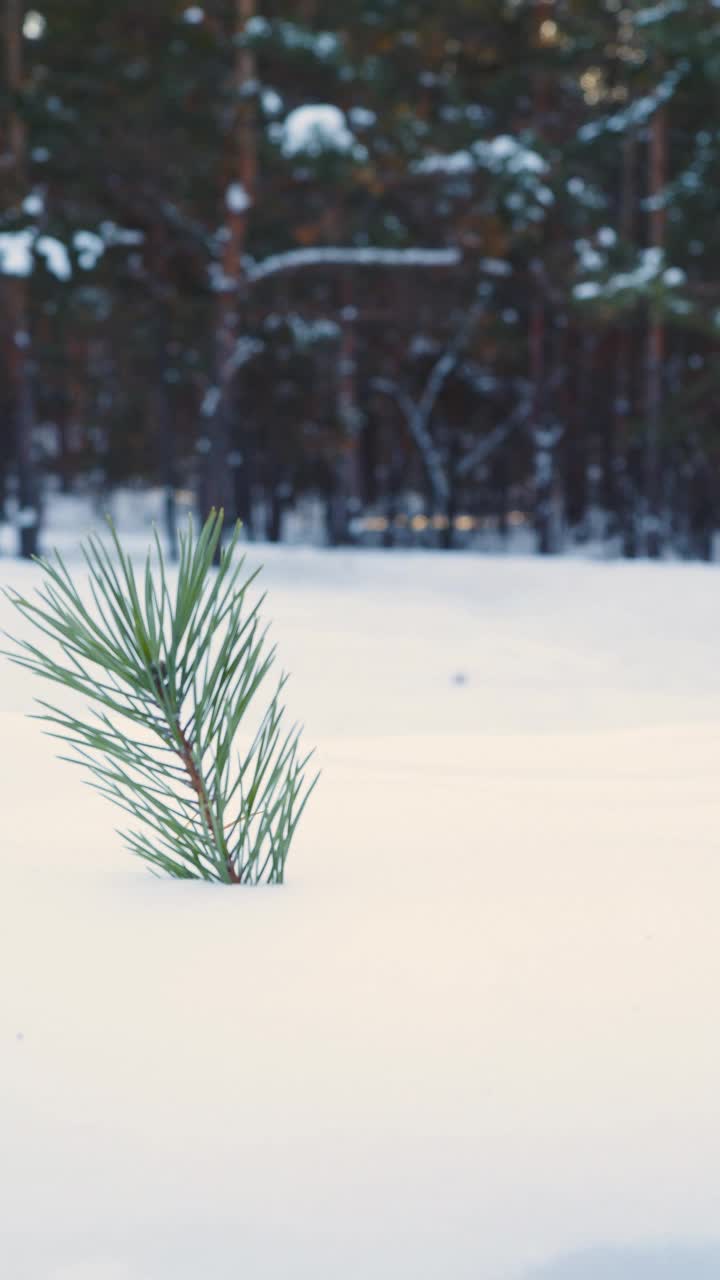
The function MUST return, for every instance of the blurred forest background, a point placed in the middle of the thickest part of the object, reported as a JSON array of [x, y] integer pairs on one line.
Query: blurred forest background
[[401, 272]]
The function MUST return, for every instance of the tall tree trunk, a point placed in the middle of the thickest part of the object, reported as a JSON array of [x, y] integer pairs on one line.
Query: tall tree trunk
[[451, 503], [238, 196], [623, 495], [655, 348], [349, 481], [702, 508], [543, 461], [279, 500], [166, 441], [501, 491], [17, 320], [578, 416], [543, 465], [242, 464], [62, 407], [166, 433]]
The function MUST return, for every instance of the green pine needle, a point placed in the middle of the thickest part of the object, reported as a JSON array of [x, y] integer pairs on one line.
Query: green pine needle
[[170, 677]]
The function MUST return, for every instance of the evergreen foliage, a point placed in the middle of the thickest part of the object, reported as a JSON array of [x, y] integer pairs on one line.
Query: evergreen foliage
[[568, 154], [172, 673]]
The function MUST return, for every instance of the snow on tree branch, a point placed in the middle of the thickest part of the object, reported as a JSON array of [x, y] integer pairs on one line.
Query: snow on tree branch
[[418, 426], [245, 351], [418, 414], [448, 361], [497, 437], [640, 111], [297, 259], [658, 13], [316, 129]]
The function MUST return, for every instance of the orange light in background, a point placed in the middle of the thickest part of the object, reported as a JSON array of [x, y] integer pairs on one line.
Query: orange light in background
[[549, 31], [592, 83]]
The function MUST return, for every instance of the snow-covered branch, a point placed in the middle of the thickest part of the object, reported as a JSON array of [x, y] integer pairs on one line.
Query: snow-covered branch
[[418, 413], [497, 437], [448, 361], [245, 351], [418, 426], [439, 375], [298, 259], [641, 110]]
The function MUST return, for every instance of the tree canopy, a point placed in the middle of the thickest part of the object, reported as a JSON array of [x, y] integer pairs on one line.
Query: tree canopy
[[459, 256]]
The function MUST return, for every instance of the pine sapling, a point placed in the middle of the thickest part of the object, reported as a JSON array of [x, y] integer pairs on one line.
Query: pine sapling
[[171, 670]]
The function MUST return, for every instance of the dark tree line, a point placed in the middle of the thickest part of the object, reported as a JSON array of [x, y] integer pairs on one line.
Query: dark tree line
[[444, 267]]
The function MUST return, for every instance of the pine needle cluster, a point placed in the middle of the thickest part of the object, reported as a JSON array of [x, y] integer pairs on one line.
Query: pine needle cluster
[[171, 670]]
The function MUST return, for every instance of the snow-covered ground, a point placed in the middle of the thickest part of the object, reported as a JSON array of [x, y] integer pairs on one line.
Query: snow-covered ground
[[477, 1031]]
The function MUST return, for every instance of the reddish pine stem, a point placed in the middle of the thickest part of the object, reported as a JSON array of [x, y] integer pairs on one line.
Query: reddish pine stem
[[200, 790]]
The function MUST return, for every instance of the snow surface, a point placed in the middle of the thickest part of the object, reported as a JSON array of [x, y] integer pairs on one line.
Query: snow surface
[[475, 1034]]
